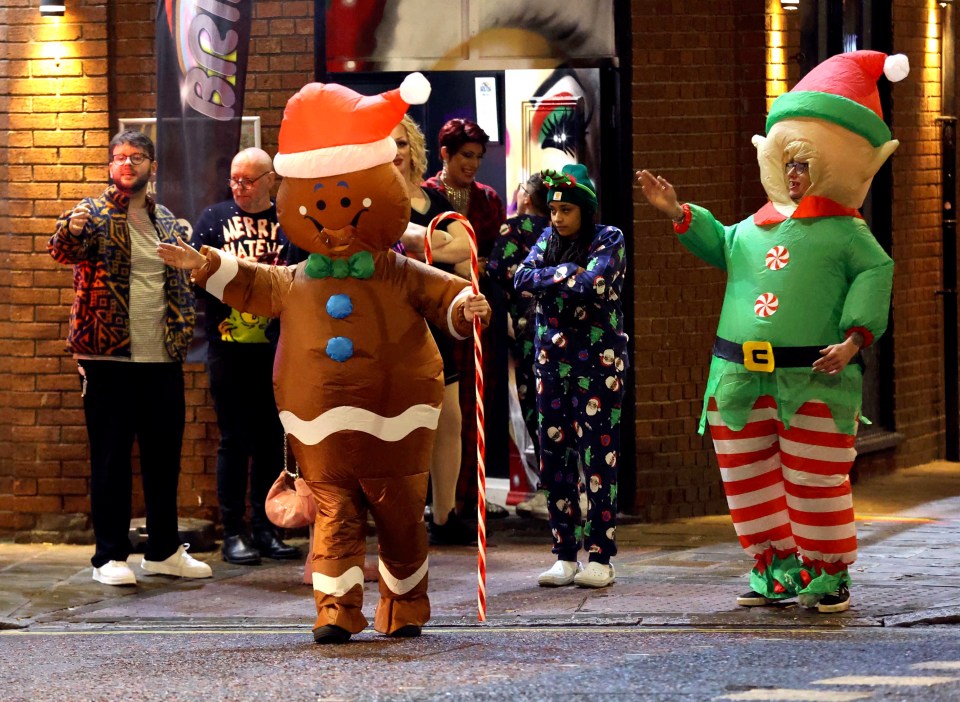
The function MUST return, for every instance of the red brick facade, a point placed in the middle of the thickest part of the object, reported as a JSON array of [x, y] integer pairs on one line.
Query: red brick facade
[[701, 76]]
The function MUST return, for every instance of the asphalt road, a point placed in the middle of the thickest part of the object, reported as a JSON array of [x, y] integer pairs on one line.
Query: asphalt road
[[483, 663]]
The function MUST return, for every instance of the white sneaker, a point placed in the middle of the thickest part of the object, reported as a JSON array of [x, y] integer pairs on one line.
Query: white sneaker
[[114, 573], [595, 575], [560, 574], [180, 564], [535, 507]]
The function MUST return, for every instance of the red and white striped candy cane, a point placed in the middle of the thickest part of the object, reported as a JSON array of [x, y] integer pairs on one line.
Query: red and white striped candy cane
[[478, 361]]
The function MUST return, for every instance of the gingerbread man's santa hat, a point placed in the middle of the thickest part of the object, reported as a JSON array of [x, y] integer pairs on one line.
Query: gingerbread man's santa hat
[[328, 129]]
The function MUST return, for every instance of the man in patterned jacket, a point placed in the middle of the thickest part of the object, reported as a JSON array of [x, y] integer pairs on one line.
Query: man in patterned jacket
[[130, 326]]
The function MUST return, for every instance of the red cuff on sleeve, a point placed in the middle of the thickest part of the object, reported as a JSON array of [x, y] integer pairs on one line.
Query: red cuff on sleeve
[[867, 336], [682, 227]]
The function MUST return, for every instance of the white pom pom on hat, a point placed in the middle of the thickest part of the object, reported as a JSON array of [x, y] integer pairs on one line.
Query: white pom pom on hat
[[328, 129], [896, 67], [415, 89]]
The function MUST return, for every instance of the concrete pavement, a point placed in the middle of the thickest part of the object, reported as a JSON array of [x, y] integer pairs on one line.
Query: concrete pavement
[[681, 573]]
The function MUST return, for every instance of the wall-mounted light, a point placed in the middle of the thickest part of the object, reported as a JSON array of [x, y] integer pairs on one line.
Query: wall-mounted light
[[790, 5], [52, 8], [944, 3]]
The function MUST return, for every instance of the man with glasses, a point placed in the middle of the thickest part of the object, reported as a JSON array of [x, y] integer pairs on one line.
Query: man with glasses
[[130, 326], [240, 365]]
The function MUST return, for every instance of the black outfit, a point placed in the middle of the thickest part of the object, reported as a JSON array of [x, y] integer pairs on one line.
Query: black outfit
[[240, 366], [438, 204]]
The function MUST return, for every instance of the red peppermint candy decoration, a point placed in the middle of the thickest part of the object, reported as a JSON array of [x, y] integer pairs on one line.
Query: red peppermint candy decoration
[[766, 305], [777, 257]]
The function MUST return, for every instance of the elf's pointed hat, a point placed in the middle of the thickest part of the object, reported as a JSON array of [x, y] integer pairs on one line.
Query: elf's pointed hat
[[843, 90], [329, 129]]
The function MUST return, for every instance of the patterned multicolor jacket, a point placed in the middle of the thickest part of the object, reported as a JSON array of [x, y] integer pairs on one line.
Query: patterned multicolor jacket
[[100, 255]]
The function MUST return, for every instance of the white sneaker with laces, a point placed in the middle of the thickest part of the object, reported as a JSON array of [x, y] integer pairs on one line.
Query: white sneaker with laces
[[595, 575], [560, 574], [114, 573], [180, 564]]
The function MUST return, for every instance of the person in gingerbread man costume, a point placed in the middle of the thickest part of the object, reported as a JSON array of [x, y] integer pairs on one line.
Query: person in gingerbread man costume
[[358, 378], [808, 286]]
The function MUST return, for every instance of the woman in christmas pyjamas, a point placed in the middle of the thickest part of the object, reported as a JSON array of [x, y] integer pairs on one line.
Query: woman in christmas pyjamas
[[576, 273]]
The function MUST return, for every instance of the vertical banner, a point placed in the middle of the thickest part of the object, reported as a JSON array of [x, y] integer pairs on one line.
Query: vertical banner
[[202, 48]]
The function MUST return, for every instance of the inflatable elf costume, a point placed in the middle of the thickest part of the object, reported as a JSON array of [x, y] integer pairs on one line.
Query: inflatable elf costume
[[807, 285]]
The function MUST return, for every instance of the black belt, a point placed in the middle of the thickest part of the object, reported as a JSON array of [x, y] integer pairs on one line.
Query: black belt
[[763, 357]]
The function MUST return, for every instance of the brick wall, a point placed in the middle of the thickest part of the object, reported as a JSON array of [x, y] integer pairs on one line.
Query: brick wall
[[698, 97], [56, 119], [917, 311]]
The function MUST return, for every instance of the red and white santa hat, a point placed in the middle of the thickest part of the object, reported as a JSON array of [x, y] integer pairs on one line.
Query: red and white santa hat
[[843, 90], [329, 129]]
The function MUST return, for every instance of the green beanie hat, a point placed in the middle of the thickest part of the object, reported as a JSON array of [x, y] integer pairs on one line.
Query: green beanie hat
[[571, 185]]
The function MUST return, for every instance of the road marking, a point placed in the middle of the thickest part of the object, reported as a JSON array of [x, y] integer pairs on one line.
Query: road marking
[[937, 665], [904, 520], [788, 695], [892, 680]]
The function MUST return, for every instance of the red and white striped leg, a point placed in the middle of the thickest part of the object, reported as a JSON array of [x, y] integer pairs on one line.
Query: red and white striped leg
[[816, 466], [749, 462]]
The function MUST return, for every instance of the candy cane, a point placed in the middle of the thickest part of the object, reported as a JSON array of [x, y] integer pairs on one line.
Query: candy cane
[[478, 361]]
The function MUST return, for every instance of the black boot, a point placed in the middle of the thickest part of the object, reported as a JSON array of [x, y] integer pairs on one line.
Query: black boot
[[455, 532], [330, 634], [237, 549], [269, 545]]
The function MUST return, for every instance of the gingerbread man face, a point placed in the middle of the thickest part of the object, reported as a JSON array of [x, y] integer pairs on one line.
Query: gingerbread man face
[[341, 215]]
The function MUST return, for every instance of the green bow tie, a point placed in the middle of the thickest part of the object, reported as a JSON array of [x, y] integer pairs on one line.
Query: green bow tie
[[360, 265]]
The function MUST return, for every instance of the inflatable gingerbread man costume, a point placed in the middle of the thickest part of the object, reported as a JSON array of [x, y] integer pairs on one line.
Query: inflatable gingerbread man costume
[[358, 378]]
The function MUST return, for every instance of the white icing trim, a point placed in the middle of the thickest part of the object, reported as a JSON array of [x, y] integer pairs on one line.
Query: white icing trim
[[358, 419], [333, 160], [402, 587], [340, 585], [227, 271], [466, 291]]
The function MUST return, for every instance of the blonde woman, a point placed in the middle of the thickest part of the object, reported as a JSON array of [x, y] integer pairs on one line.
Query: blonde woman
[[450, 245]]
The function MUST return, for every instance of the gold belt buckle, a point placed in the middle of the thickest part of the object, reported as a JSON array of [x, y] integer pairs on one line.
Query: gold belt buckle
[[758, 356]]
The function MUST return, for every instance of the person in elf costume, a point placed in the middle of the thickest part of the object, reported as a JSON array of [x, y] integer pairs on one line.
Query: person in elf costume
[[808, 286], [358, 378]]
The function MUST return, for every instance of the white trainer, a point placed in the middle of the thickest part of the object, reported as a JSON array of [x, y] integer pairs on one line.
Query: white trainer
[[180, 564], [535, 507], [595, 575], [114, 573], [560, 574]]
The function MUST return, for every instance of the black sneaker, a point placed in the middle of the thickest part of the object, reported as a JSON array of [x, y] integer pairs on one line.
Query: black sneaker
[[455, 532], [753, 599], [836, 601]]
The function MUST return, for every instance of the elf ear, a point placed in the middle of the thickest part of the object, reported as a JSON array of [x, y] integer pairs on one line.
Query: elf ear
[[758, 141], [881, 154]]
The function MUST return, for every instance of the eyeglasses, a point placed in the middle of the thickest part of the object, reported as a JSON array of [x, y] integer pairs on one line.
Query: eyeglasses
[[243, 183], [136, 159], [800, 168]]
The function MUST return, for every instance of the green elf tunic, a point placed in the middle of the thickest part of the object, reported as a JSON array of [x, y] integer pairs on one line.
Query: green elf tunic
[[808, 280]]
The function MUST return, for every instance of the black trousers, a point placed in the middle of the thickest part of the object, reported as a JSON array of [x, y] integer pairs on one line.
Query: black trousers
[[251, 436], [126, 401]]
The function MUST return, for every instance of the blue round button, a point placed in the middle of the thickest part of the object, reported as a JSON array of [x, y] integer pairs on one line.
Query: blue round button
[[339, 306], [340, 348]]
